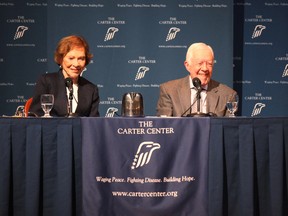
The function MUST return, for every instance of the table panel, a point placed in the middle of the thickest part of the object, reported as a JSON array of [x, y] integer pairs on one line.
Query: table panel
[[41, 164], [40, 172], [248, 166]]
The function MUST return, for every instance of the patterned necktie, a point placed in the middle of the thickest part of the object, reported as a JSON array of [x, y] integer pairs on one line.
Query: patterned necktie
[[203, 101], [194, 100]]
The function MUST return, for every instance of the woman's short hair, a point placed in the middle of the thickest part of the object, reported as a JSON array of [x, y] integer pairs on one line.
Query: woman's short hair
[[68, 43]]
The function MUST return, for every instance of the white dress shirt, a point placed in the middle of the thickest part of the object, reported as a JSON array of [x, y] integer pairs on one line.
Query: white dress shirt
[[75, 97], [203, 98]]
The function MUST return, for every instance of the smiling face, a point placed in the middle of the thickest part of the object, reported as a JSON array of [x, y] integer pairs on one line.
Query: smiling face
[[73, 63], [199, 62], [72, 54]]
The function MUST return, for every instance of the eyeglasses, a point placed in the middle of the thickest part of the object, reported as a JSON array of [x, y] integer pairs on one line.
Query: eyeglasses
[[201, 63]]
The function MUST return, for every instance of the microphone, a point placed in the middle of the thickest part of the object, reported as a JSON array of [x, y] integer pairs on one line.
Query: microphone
[[197, 83], [69, 84]]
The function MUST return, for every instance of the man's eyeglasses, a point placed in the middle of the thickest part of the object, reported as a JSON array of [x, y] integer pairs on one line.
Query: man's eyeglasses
[[201, 63]]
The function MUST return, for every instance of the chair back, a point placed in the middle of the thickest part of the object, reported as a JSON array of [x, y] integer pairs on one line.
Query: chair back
[[27, 106]]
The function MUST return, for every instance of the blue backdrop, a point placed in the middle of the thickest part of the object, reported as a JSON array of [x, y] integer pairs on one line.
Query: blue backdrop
[[139, 44], [261, 57]]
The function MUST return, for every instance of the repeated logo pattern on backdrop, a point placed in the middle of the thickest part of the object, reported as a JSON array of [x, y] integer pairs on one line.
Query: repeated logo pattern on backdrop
[[260, 57], [23, 51], [139, 45], [20, 32]]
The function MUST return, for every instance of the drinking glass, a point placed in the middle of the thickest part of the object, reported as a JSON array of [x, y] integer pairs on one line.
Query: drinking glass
[[232, 105], [47, 102]]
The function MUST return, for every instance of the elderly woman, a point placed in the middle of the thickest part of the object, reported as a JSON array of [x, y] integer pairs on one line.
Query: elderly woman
[[72, 55]]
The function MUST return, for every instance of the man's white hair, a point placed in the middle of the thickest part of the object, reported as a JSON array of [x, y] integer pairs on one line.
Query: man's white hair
[[194, 47]]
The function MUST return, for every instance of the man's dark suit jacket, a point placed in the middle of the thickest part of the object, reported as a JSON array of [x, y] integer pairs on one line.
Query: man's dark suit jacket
[[54, 83], [175, 98]]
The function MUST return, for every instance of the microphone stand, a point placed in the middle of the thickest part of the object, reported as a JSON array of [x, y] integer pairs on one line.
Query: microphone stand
[[198, 113], [70, 113], [69, 85]]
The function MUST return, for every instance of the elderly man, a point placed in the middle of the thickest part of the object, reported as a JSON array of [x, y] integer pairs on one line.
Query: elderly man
[[178, 97]]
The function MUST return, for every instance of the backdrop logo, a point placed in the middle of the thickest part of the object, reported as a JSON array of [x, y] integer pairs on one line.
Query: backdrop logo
[[172, 33], [111, 112], [20, 32], [257, 109], [258, 31], [141, 72], [285, 72], [144, 153], [110, 33], [110, 101]]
